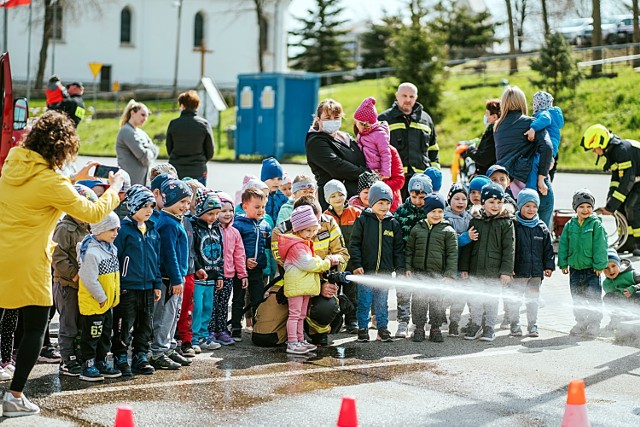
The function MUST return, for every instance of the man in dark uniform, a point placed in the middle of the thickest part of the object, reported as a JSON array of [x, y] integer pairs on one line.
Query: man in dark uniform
[[74, 105], [412, 133]]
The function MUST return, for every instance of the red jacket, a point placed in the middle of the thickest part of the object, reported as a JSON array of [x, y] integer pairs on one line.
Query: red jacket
[[396, 180]]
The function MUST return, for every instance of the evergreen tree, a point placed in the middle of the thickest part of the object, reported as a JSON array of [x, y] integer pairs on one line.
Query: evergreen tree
[[321, 39], [376, 42], [556, 65]]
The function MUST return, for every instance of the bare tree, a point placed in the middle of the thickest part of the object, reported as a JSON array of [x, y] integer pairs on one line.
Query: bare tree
[[545, 18], [513, 62], [596, 37], [636, 31], [521, 15], [262, 31]]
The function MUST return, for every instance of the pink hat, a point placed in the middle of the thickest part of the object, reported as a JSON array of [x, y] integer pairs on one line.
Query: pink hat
[[366, 112], [286, 179], [303, 217], [224, 197]]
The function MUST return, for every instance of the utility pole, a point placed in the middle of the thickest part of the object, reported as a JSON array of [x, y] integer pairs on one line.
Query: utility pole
[[54, 4], [175, 70]]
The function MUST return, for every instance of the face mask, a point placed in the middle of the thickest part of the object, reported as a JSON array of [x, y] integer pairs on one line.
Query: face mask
[[485, 120], [331, 126]]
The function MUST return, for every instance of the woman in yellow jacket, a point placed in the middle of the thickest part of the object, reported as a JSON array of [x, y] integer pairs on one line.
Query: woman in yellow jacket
[[33, 196]]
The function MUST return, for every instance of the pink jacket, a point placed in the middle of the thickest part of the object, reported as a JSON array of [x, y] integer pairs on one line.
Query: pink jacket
[[235, 261], [375, 146]]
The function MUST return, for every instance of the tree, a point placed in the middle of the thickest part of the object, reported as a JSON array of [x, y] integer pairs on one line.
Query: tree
[[464, 32], [596, 37], [636, 31], [376, 42], [521, 15], [321, 39], [417, 58], [513, 62], [545, 18], [262, 32], [556, 65]]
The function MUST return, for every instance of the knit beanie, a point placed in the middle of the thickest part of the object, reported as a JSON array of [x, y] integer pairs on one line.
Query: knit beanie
[[109, 223], [286, 179], [137, 197], [271, 168], [542, 101], [433, 201], [303, 217], [206, 200], [379, 191], [612, 255], [366, 180], [491, 191], [86, 192], [478, 182], [225, 198], [334, 186], [255, 183], [420, 183], [583, 196], [455, 189], [174, 190], [366, 112], [304, 185], [496, 168], [527, 195], [436, 177], [157, 182]]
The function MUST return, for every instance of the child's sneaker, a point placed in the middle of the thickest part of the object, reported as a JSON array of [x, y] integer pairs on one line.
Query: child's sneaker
[[122, 363], [454, 329], [223, 338], [435, 335], [178, 358], [488, 334], [578, 329], [516, 330], [4, 375], [163, 362], [363, 335], [473, 332], [307, 345], [418, 335], [108, 371], [296, 348], [9, 366], [187, 350], [49, 355], [504, 325], [71, 367], [90, 371], [210, 343], [384, 335], [403, 329], [140, 364], [236, 334], [17, 406], [593, 329], [533, 331], [197, 349]]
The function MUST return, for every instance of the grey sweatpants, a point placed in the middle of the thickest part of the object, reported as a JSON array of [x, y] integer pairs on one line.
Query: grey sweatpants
[[166, 313], [487, 305], [514, 291], [66, 302]]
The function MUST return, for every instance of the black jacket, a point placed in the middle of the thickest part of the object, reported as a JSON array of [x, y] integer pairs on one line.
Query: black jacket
[[376, 245], [414, 136], [330, 159], [484, 154], [623, 160], [189, 144], [534, 251], [207, 243], [74, 108]]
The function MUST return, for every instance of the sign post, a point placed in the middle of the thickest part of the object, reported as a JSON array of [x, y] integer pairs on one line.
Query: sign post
[[115, 88], [95, 70]]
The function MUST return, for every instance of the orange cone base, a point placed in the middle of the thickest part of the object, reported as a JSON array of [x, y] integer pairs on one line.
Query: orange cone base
[[575, 416], [348, 416]]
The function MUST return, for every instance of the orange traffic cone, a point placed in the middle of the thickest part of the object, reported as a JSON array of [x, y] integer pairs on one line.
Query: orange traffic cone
[[124, 416], [575, 413], [348, 416]]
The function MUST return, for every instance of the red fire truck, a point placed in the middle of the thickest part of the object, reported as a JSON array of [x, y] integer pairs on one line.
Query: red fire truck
[[14, 112]]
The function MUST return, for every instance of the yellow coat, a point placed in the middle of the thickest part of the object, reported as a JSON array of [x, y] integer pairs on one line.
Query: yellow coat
[[32, 199]]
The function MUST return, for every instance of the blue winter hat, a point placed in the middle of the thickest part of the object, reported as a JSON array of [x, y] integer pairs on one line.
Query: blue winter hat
[[612, 255], [478, 182], [420, 183], [527, 195], [92, 183], [433, 201], [174, 190], [491, 191], [137, 197], [86, 192], [436, 177], [496, 168], [379, 191], [157, 182], [271, 168]]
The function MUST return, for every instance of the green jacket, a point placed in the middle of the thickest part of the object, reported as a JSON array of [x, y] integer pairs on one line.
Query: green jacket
[[583, 246], [492, 255], [432, 249], [628, 279], [408, 215]]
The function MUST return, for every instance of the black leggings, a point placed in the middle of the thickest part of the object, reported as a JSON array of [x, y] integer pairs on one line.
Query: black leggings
[[35, 319]]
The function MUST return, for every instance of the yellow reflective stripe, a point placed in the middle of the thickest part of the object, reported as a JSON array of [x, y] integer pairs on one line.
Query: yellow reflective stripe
[[397, 126], [636, 232], [421, 126], [416, 170], [624, 165], [619, 196], [321, 245], [614, 167], [335, 233], [436, 165], [614, 184], [80, 112], [434, 147]]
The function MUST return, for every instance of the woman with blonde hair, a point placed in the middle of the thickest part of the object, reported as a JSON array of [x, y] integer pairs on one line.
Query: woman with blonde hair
[[134, 149], [331, 153]]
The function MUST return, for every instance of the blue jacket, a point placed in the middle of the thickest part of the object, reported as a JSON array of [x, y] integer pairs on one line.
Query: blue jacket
[[552, 120], [139, 256], [174, 248], [274, 203], [256, 236], [534, 251], [186, 223], [512, 146], [208, 249]]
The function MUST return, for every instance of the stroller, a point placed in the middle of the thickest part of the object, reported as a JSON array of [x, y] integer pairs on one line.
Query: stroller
[[463, 168]]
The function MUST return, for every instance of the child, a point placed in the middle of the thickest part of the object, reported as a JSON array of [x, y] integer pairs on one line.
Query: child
[[209, 266], [271, 174], [285, 185], [156, 185], [98, 293], [302, 274], [397, 178], [436, 178], [174, 264], [490, 257], [376, 248], [69, 232], [365, 181], [256, 234], [432, 250], [459, 217], [138, 246], [583, 253], [373, 138], [621, 289], [160, 168], [475, 189], [500, 176], [302, 185], [408, 215], [534, 259], [122, 210], [55, 92], [335, 194], [235, 269]]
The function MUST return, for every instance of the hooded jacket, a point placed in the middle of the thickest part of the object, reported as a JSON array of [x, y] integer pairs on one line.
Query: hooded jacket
[[408, 215], [396, 180], [189, 144], [344, 221], [460, 223], [376, 244], [67, 235], [484, 154], [32, 199], [208, 247], [135, 152], [174, 248], [256, 235], [627, 280], [375, 147], [492, 255], [583, 246], [552, 120], [534, 250], [139, 256], [432, 249], [302, 267], [623, 160], [99, 277], [275, 202], [235, 260]]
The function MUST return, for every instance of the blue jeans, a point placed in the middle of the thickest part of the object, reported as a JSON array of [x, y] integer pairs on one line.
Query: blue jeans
[[545, 211], [586, 292], [377, 297], [202, 311]]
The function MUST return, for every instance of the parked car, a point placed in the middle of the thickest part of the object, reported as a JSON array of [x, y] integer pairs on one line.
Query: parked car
[[14, 112], [610, 28], [574, 30], [625, 30]]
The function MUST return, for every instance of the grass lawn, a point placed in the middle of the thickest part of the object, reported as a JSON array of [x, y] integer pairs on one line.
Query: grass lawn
[[610, 101]]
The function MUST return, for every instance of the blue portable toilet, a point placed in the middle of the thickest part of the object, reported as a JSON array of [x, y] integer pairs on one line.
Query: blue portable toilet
[[274, 112]]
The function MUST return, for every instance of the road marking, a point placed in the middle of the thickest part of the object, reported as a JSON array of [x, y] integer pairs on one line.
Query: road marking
[[405, 360]]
